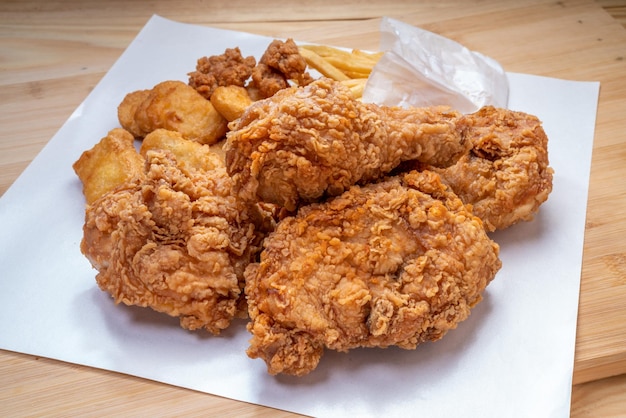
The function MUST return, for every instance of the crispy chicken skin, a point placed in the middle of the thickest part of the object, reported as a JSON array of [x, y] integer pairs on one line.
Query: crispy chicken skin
[[280, 63], [505, 176], [307, 142], [174, 238], [227, 69], [399, 262]]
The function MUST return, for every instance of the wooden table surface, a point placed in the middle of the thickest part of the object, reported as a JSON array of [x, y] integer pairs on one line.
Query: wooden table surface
[[52, 53]]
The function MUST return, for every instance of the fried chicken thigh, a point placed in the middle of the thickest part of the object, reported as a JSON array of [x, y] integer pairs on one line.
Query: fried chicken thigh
[[308, 142], [174, 238], [505, 176], [399, 262]]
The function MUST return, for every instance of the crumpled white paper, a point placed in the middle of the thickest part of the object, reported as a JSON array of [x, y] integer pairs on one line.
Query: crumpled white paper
[[421, 68]]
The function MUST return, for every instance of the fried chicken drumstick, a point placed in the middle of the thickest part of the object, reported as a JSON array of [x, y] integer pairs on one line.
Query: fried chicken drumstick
[[398, 262], [505, 175], [314, 141]]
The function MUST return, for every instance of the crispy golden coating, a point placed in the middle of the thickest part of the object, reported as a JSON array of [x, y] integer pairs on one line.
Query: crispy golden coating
[[176, 239], [400, 262], [304, 143], [506, 174], [175, 106], [280, 63], [227, 69], [110, 163], [128, 108], [231, 101], [189, 154]]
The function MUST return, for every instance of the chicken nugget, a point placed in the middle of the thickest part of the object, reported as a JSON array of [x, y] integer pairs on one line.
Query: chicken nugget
[[175, 106], [110, 163], [127, 109], [231, 101], [189, 154]]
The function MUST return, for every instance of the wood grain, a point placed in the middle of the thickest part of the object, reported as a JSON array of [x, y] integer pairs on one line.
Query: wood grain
[[53, 53]]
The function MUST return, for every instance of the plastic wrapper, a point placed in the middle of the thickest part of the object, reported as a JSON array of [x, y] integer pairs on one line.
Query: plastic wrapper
[[421, 68]]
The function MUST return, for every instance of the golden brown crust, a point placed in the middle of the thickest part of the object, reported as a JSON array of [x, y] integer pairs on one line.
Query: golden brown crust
[[281, 62], [506, 174], [128, 108], [305, 143], [175, 239], [227, 69], [110, 163], [175, 106], [394, 263]]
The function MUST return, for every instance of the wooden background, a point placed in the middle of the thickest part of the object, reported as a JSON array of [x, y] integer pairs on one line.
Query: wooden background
[[52, 53]]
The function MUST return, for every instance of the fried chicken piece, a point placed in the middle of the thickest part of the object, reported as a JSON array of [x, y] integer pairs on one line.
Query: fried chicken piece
[[175, 106], [108, 164], [231, 101], [176, 239], [127, 109], [304, 143], [505, 176], [280, 63], [399, 262], [228, 69]]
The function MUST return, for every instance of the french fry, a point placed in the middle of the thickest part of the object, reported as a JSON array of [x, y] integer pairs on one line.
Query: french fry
[[326, 51], [352, 68], [374, 56], [356, 86], [317, 62], [329, 51], [357, 61], [351, 64]]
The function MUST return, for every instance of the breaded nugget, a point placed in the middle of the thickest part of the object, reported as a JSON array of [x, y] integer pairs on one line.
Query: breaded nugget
[[189, 154], [127, 109], [231, 101], [110, 163], [175, 106]]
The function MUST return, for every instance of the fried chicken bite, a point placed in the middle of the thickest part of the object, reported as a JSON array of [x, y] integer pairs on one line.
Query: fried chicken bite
[[227, 69], [505, 176], [175, 239], [175, 106], [127, 109], [108, 164], [280, 63], [307, 142], [398, 262]]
